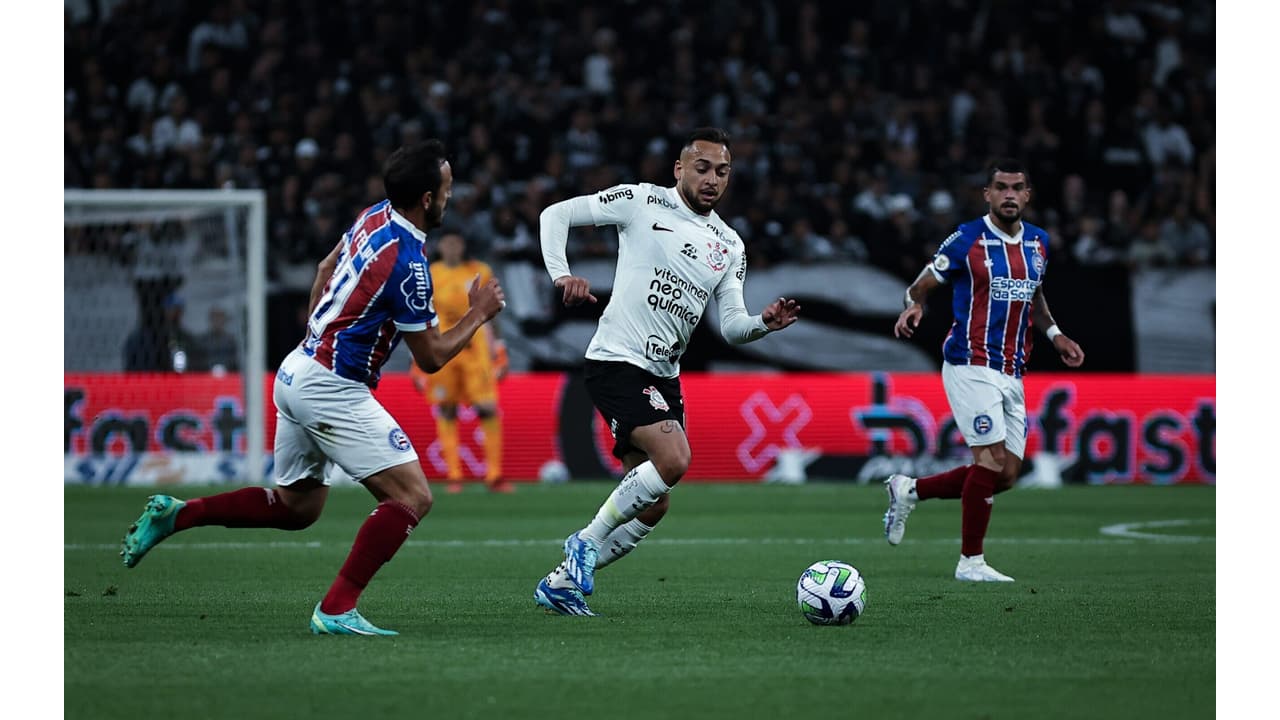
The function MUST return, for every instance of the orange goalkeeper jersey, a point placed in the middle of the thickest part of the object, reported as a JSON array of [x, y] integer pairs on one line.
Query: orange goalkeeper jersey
[[449, 287]]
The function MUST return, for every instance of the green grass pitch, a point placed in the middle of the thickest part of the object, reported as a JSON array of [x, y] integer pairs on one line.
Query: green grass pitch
[[699, 622]]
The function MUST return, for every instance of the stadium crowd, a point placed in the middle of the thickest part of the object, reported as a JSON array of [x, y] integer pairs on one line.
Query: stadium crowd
[[859, 129]]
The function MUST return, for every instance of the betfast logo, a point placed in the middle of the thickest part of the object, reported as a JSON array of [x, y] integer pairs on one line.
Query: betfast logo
[[609, 196]]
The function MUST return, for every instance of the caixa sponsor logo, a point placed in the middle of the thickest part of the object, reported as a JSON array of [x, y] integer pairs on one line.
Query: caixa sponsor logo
[[658, 351], [608, 196]]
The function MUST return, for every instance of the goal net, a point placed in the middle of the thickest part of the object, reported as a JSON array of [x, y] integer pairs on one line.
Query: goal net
[[164, 336]]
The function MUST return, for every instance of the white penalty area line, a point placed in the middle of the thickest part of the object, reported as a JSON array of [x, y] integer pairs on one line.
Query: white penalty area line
[[556, 542], [1133, 531]]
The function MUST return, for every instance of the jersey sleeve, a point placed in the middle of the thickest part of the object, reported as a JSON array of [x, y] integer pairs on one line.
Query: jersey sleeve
[[736, 325], [949, 260], [410, 294], [617, 205]]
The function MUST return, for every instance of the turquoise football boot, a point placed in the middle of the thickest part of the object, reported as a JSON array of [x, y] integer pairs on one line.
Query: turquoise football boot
[[348, 623], [155, 525]]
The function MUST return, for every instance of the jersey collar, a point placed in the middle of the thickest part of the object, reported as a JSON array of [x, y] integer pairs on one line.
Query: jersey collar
[[403, 222], [1002, 234]]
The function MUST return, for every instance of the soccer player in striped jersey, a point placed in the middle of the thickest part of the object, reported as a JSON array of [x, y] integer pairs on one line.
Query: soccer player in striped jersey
[[996, 265], [371, 290]]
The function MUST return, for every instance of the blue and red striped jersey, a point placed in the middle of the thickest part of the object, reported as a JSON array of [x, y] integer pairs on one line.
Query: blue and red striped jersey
[[380, 288], [994, 276]]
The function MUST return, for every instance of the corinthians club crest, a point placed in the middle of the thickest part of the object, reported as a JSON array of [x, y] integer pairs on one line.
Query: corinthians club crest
[[716, 258], [656, 400]]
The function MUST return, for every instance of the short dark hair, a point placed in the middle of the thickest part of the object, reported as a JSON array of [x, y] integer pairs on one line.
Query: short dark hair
[[709, 134], [412, 171], [1007, 165]]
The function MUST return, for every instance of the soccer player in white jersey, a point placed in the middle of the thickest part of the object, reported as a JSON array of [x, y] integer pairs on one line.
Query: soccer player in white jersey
[[674, 255], [369, 292], [996, 265]]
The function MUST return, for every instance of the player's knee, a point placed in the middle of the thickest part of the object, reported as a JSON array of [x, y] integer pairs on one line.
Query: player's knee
[[673, 465], [304, 509], [448, 412], [419, 499], [998, 459], [484, 412], [302, 519]]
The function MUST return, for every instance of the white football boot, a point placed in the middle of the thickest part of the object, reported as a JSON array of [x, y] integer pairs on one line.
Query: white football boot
[[976, 569], [902, 500]]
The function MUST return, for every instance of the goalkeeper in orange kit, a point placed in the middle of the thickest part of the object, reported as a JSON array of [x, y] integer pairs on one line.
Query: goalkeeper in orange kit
[[470, 378]]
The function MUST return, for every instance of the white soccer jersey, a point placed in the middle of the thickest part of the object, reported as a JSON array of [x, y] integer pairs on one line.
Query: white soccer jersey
[[671, 261]]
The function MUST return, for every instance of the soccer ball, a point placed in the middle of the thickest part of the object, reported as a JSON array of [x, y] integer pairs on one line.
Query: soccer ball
[[831, 592], [553, 471]]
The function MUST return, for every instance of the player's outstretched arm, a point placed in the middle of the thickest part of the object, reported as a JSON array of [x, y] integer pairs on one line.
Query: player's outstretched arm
[[432, 349], [553, 233], [913, 303], [1042, 319]]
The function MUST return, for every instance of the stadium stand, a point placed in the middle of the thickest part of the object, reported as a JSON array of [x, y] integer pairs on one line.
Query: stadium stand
[[860, 131]]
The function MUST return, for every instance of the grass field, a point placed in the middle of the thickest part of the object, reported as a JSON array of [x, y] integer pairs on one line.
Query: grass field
[[700, 622]]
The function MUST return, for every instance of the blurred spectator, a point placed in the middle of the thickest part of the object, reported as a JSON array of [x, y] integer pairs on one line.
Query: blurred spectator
[[1185, 237], [220, 347], [833, 107], [1167, 141], [164, 346]]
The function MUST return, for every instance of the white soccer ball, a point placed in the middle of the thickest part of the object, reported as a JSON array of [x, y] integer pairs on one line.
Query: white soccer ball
[[831, 592], [553, 471]]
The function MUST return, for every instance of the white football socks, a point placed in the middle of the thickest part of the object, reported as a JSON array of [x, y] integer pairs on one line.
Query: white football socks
[[620, 542], [639, 489]]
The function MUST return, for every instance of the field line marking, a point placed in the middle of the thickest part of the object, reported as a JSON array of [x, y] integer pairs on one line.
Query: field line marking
[[1131, 531], [1115, 538]]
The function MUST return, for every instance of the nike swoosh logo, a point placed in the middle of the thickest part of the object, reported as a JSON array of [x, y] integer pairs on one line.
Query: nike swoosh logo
[[355, 630], [656, 226]]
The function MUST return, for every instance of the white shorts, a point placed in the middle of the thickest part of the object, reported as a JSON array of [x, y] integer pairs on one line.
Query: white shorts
[[329, 427], [988, 405]]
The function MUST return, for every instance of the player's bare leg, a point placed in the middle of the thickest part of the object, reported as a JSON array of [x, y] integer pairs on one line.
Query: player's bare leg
[[642, 491], [403, 499], [292, 507], [667, 448]]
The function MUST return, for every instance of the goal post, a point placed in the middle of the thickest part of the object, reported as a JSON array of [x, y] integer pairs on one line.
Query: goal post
[[164, 312]]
